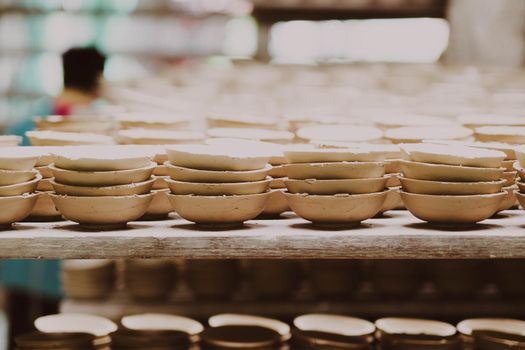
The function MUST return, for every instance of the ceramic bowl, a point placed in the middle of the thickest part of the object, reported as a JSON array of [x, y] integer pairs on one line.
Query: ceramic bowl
[[520, 155], [44, 171], [452, 155], [506, 148], [222, 320], [392, 180], [345, 132], [158, 137], [102, 178], [392, 166], [44, 185], [479, 120], [276, 136], [508, 165], [521, 185], [218, 189], [72, 322], [276, 204], [340, 209], [16, 208], [57, 138], [278, 171], [453, 210], [277, 183], [336, 324], [509, 177], [335, 171], [415, 326], [206, 157], [450, 188], [414, 134], [161, 170], [517, 167], [507, 134], [452, 173], [44, 209], [155, 121], [160, 183], [160, 206], [121, 190], [102, 210], [219, 210], [207, 176], [20, 188], [393, 200], [326, 155], [162, 322], [510, 199], [100, 159], [17, 158], [506, 325], [12, 177], [237, 119], [330, 187], [69, 341], [521, 198]]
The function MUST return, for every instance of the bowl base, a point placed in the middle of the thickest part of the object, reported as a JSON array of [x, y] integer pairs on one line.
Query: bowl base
[[220, 225]]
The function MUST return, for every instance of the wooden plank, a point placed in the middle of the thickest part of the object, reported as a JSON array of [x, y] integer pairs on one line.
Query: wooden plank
[[400, 235]]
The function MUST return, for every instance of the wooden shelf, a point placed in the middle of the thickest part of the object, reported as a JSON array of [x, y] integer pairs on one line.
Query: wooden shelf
[[399, 235]]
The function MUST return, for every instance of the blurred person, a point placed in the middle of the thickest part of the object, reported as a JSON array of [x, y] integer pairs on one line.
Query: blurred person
[[33, 288], [83, 71]]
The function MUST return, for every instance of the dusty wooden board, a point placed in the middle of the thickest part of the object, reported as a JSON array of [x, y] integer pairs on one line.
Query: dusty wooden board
[[399, 235]]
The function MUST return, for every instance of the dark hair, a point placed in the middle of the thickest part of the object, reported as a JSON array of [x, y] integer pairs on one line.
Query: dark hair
[[82, 68]]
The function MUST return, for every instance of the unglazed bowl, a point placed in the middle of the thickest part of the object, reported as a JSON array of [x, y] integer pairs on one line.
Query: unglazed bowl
[[325, 155], [330, 187], [276, 204], [219, 210], [102, 210], [218, 189], [334, 171], [17, 158], [453, 210], [20, 188], [98, 158], [452, 173], [16, 208], [120, 190], [12, 177], [450, 188], [102, 178], [206, 176], [337, 210]]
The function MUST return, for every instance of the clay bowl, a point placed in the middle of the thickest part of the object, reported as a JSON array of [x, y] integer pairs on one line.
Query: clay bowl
[[520, 155], [121, 190], [393, 200], [70, 322], [102, 210], [102, 178], [158, 340], [222, 320], [336, 210], [219, 211], [508, 165], [521, 185], [326, 155], [63, 341], [157, 136], [101, 159], [16, 208], [498, 340], [57, 138], [335, 171], [453, 210], [44, 185], [413, 134], [12, 177], [159, 207], [278, 171], [193, 175], [44, 171], [392, 180], [392, 166], [517, 167], [469, 327], [336, 324], [161, 170], [20, 188], [206, 157], [453, 173], [218, 189], [414, 326], [277, 183], [44, 209], [509, 177], [521, 198], [330, 187], [240, 337], [450, 188], [162, 322], [276, 204], [507, 134], [510, 199], [17, 158]]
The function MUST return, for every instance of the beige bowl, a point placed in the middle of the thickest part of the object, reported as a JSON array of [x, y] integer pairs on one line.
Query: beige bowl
[[57, 138], [508, 165], [325, 155], [102, 210], [219, 189], [21, 188], [278, 171], [17, 158], [44, 209], [521, 185], [507, 134], [193, 175], [12, 177], [393, 200], [160, 206], [510, 199], [205, 157], [160, 183], [520, 197], [331, 187], [340, 209], [276, 204], [16, 208], [392, 166], [101, 159], [158, 136], [450, 188], [44, 185], [520, 170], [455, 173], [509, 177], [121, 190], [278, 183], [44, 171], [453, 210], [334, 171], [219, 210], [160, 170], [412, 134], [102, 178], [392, 180]]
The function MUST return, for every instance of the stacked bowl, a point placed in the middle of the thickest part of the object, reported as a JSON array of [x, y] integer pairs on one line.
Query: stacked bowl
[[45, 209], [519, 165], [336, 187], [10, 140], [88, 279], [59, 138], [18, 183], [415, 134], [452, 185], [217, 186], [76, 123], [341, 132], [102, 187], [40, 340]]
